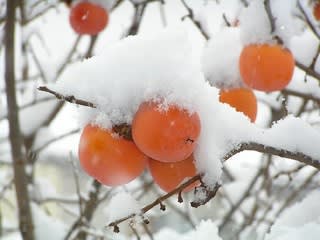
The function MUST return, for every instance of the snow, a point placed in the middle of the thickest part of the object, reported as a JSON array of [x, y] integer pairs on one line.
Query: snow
[[220, 59], [46, 227], [104, 3], [308, 86], [164, 66], [121, 205], [287, 24], [206, 230], [300, 221], [148, 79], [300, 52], [257, 30], [45, 224], [282, 131]]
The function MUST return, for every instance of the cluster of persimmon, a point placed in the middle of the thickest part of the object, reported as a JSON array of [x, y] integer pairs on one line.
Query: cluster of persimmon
[[162, 140], [88, 17], [263, 67]]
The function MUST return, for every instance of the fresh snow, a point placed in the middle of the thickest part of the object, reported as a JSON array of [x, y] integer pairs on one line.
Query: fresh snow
[[220, 59]]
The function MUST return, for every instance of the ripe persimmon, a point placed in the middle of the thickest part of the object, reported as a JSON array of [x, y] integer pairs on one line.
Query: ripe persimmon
[[88, 18], [316, 11], [242, 99], [165, 135], [110, 159], [168, 176], [266, 67]]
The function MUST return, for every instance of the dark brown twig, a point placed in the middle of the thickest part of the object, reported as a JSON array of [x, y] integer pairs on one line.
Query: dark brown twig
[[195, 22], [158, 200], [70, 99]]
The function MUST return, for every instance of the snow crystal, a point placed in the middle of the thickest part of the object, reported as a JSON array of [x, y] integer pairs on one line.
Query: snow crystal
[[220, 59], [121, 205]]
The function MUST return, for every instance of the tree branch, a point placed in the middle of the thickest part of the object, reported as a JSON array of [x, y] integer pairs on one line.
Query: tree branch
[[16, 141], [298, 156], [158, 201], [210, 193], [70, 99], [195, 22]]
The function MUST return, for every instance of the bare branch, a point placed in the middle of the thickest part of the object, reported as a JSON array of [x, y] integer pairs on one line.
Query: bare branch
[[139, 10], [242, 147], [308, 70], [16, 141], [298, 156], [70, 99], [158, 200], [195, 22]]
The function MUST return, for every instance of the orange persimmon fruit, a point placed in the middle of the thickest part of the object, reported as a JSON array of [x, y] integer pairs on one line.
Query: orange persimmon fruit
[[316, 11], [165, 135], [168, 176], [88, 18], [266, 67], [242, 99], [109, 158]]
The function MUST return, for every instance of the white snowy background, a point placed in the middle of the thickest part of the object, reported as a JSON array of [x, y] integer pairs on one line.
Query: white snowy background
[[169, 59]]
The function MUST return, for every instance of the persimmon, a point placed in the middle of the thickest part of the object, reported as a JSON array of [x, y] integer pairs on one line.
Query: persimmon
[[165, 135], [168, 176], [242, 99], [266, 67], [88, 18], [110, 159], [316, 11]]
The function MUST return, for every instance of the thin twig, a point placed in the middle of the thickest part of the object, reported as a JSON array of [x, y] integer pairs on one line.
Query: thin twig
[[158, 200], [195, 22], [70, 99]]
